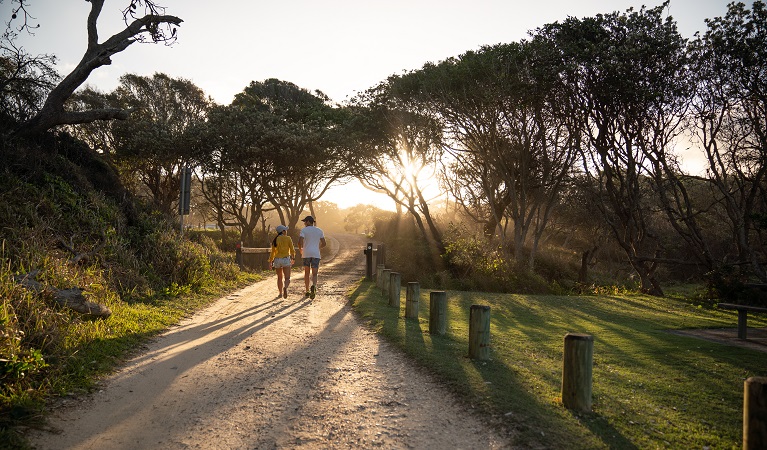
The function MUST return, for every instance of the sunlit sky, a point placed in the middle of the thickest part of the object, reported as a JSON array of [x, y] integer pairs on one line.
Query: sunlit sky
[[339, 47]]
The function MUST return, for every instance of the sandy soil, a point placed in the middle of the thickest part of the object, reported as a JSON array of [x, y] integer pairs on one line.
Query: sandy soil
[[255, 371]]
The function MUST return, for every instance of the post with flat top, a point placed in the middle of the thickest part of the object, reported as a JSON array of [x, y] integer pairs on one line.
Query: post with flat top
[[185, 189], [369, 261], [576, 371], [386, 275], [379, 275], [412, 296], [395, 287], [755, 413], [380, 254], [438, 312], [238, 254], [742, 323], [479, 332]]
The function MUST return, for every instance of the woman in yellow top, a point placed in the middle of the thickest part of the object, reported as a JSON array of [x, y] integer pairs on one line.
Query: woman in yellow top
[[282, 256]]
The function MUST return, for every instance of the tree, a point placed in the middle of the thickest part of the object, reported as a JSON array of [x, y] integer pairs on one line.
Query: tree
[[363, 216], [301, 141], [276, 147], [159, 138], [402, 147], [25, 80], [327, 215], [99, 134], [511, 151], [232, 169], [153, 26], [624, 72], [730, 117]]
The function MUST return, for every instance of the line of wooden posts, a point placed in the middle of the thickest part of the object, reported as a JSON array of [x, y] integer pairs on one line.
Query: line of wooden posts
[[577, 361]]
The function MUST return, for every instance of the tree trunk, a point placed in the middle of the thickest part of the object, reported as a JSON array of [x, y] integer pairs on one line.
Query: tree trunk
[[649, 284], [586, 258]]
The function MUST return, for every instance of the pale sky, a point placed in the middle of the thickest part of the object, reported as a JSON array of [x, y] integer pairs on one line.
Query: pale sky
[[339, 47]]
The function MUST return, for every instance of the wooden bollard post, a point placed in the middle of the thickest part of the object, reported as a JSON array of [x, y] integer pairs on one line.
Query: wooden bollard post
[[379, 276], [386, 275], [369, 261], [381, 254], [438, 312], [479, 332], [576, 371], [395, 288], [238, 255], [755, 413], [412, 297]]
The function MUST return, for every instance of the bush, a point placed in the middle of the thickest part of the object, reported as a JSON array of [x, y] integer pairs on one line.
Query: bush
[[470, 262], [730, 284], [479, 264], [408, 252], [52, 208]]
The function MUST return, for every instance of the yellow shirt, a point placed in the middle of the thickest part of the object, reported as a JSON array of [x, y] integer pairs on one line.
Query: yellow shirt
[[284, 248]]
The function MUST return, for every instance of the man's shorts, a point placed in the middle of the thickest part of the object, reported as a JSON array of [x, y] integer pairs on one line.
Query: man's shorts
[[312, 262], [281, 262]]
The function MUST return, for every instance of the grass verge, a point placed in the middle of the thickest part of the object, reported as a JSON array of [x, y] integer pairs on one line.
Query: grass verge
[[86, 349], [651, 388]]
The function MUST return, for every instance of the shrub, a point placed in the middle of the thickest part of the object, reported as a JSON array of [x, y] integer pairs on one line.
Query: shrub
[[407, 252], [729, 284], [50, 209]]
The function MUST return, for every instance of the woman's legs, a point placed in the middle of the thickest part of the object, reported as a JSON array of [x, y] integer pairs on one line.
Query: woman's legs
[[286, 271], [279, 279]]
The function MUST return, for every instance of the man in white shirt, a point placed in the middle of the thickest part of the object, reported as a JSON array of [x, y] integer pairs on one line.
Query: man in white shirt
[[310, 241]]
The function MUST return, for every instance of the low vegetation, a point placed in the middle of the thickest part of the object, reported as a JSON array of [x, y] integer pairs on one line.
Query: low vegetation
[[122, 255], [651, 388]]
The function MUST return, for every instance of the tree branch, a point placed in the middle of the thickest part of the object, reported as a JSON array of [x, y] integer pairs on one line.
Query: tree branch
[[93, 16], [97, 55], [72, 298], [77, 117]]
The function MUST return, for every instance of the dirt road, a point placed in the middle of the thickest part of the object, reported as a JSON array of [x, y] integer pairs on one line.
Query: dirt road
[[255, 371]]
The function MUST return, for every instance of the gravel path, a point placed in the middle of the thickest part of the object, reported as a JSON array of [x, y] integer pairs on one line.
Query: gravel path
[[255, 371]]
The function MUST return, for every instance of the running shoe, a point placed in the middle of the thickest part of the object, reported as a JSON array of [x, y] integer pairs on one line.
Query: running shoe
[[313, 292], [285, 293]]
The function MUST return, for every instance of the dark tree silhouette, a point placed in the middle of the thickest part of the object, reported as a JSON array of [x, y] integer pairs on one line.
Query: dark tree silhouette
[[152, 26]]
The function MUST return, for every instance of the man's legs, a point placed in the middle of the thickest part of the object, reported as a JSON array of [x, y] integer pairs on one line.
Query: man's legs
[[311, 266], [314, 275], [315, 269], [306, 276]]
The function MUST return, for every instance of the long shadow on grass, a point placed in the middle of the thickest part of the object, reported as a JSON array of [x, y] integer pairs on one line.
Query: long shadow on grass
[[414, 333], [630, 352], [495, 387], [519, 351]]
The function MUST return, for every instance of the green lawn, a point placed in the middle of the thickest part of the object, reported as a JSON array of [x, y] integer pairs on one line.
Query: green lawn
[[651, 388]]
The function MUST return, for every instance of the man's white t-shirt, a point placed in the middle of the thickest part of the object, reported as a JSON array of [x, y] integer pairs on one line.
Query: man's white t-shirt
[[312, 236]]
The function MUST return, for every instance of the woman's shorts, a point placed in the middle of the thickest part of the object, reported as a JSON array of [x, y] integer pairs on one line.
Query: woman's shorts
[[281, 262]]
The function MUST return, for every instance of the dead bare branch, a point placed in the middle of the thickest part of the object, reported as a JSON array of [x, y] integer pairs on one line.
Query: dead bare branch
[[71, 298], [83, 256]]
